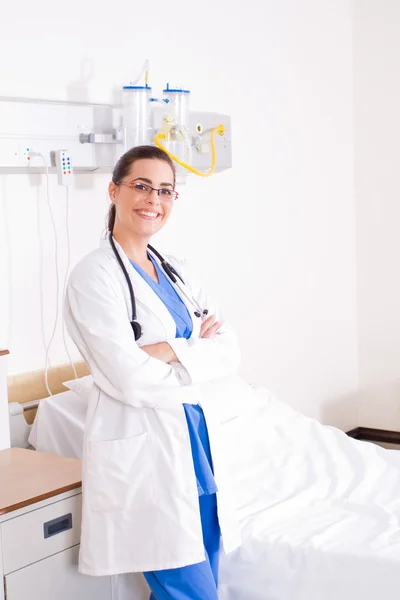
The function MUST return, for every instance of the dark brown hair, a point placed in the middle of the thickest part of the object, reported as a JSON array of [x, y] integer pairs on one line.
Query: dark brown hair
[[124, 165]]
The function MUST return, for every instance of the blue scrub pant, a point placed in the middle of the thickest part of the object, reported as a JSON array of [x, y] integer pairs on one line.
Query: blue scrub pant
[[194, 582]]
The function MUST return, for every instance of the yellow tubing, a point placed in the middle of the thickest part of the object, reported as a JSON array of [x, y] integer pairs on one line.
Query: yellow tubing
[[220, 130]]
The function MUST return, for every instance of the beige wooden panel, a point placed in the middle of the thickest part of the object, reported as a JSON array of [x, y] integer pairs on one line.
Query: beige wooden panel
[[25, 387]]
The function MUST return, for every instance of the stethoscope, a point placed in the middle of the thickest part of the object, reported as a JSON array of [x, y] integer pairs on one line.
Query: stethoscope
[[170, 272]]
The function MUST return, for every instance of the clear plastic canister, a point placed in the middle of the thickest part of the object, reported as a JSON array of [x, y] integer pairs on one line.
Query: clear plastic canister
[[178, 141], [178, 105], [136, 115]]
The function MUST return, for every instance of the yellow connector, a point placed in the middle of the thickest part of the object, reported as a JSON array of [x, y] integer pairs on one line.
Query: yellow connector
[[220, 130]]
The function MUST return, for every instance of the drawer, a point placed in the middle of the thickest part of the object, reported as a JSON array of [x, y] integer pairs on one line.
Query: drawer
[[57, 578], [40, 533]]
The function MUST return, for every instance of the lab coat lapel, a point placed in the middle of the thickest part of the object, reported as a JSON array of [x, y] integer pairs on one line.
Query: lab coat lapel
[[143, 292]]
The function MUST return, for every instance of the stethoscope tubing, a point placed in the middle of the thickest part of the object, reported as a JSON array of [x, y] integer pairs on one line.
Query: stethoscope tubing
[[171, 273]]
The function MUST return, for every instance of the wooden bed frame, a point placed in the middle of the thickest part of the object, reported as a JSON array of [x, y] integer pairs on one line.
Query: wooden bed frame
[[370, 434], [29, 388]]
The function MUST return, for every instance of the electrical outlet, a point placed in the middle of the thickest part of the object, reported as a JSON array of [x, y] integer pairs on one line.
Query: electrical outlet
[[25, 159]]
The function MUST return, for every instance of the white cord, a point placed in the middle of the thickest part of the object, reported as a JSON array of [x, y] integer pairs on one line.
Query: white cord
[[146, 67], [57, 271], [66, 279], [41, 276], [9, 267]]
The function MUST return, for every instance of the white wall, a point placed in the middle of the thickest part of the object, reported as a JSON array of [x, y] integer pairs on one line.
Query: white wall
[[4, 418], [377, 168], [281, 221]]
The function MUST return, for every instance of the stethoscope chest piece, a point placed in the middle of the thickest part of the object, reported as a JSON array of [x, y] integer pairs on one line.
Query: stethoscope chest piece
[[137, 330]]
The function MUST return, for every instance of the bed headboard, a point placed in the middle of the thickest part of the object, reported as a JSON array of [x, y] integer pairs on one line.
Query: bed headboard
[[31, 386]]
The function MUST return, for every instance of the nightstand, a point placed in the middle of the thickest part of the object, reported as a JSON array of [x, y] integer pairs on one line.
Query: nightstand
[[40, 523]]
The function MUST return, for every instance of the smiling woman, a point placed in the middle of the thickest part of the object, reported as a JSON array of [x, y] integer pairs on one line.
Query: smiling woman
[[147, 439]]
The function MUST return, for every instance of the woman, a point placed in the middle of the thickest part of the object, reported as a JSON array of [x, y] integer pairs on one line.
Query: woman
[[160, 429]]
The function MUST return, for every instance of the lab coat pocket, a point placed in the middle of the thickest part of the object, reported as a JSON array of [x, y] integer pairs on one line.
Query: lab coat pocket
[[119, 473]]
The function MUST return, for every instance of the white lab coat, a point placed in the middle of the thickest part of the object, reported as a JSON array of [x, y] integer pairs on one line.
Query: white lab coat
[[140, 499]]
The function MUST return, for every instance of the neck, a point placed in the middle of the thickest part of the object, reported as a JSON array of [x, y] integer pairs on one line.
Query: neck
[[134, 247]]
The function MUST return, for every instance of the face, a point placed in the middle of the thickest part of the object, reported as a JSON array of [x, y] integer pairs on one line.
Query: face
[[140, 212]]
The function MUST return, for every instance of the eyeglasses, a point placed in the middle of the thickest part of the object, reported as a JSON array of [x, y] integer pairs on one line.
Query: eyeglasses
[[145, 190]]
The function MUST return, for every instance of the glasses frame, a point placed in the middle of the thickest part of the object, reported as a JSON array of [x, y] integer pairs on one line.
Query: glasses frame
[[158, 190]]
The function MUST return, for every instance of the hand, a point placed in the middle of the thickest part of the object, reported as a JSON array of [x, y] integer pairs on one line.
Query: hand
[[161, 351], [209, 327]]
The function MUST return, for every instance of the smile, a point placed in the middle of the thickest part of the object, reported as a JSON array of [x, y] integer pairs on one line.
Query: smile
[[147, 214]]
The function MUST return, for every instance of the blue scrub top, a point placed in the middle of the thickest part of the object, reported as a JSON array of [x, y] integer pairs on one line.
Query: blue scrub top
[[194, 414]]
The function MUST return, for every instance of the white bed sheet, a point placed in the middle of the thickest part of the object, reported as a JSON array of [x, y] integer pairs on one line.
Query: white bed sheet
[[320, 512], [59, 424]]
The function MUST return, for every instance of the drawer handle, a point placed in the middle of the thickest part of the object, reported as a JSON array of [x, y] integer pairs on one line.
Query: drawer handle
[[57, 525]]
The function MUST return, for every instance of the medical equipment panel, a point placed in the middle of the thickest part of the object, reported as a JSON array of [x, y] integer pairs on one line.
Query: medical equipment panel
[[64, 167], [33, 133]]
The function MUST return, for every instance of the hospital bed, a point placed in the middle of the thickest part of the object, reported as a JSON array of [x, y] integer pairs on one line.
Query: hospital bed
[[320, 511]]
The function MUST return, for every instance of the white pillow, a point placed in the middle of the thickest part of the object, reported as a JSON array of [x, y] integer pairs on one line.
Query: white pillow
[[82, 386]]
